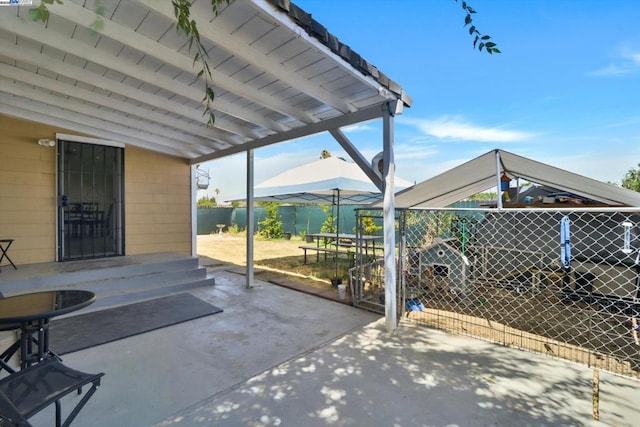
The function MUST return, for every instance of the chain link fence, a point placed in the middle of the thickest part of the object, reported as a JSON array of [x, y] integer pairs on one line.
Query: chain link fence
[[565, 283]]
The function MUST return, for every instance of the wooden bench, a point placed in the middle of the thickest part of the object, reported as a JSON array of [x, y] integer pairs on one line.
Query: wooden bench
[[27, 392], [319, 249]]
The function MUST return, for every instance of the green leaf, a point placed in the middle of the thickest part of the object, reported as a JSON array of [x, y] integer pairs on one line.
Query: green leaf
[[194, 30], [495, 50], [475, 42], [41, 13], [490, 44], [480, 46], [467, 20], [486, 37], [97, 26], [464, 5], [99, 7], [35, 14], [472, 29]]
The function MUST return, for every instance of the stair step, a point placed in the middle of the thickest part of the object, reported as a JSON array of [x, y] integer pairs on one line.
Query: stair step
[[114, 300], [140, 281], [121, 272], [115, 281]]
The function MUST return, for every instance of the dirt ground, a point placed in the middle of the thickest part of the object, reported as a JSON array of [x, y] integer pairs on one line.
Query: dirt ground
[[231, 248], [276, 257]]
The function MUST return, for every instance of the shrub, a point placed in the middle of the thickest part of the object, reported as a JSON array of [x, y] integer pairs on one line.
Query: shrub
[[233, 229], [369, 226], [329, 225], [206, 202], [272, 224]]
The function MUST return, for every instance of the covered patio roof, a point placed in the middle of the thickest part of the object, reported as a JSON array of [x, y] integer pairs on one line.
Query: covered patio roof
[[277, 75]]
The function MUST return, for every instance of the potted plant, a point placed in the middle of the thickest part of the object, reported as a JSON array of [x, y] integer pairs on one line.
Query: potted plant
[[341, 278]]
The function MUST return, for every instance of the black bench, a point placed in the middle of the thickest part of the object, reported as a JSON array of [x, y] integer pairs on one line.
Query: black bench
[[27, 392], [319, 249]]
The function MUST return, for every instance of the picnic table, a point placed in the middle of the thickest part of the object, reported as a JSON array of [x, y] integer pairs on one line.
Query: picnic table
[[332, 243]]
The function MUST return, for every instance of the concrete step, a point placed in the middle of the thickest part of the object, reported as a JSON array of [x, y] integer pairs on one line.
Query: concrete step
[[136, 280], [130, 296], [116, 281], [56, 275]]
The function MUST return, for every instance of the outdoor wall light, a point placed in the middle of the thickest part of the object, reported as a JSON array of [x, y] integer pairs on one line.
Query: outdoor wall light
[[377, 164], [47, 142]]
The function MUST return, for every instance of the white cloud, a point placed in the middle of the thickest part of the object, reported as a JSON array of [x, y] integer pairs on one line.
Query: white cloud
[[414, 151], [454, 128], [611, 70], [634, 57], [361, 127], [627, 61]]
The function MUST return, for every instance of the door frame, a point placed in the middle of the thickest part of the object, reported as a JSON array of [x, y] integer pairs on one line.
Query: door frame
[[118, 212]]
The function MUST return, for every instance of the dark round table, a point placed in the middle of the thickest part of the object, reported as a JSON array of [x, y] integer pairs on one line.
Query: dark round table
[[30, 314]]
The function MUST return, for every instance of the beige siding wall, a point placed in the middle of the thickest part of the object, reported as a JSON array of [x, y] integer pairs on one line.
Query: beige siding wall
[[27, 190], [157, 196], [157, 203]]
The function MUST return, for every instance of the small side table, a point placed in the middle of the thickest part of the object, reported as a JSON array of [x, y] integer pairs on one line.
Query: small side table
[[5, 244]]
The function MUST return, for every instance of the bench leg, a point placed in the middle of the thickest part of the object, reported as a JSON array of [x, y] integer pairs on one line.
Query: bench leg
[[58, 414]]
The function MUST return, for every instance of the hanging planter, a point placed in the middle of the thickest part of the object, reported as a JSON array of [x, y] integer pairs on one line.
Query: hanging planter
[[202, 179]]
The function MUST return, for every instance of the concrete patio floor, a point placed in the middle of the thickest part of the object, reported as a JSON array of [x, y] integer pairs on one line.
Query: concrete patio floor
[[279, 357]]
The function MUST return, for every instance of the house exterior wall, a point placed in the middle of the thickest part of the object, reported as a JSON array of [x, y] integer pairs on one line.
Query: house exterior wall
[[27, 190], [157, 196], [157, 203]]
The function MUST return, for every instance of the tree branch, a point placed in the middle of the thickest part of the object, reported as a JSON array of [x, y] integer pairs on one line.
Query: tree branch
[[484, 43]]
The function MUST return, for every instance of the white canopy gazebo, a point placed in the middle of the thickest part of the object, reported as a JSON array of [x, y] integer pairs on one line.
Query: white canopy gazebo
[[320, 182], [332, 180]]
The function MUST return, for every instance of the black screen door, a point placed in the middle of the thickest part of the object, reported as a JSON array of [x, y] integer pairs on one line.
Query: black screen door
[[90, 200]]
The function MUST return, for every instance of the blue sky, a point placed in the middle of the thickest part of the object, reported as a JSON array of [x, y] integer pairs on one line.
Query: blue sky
[[564, 91]]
